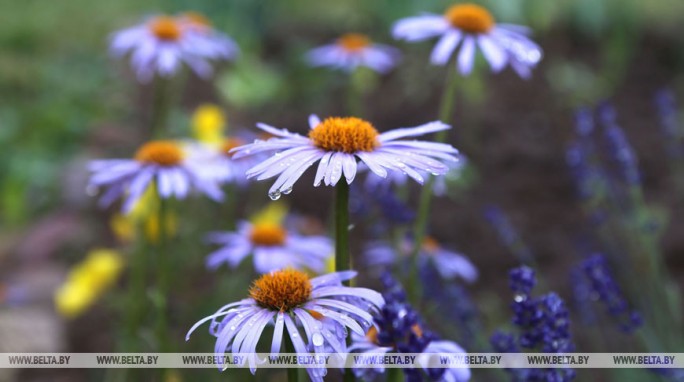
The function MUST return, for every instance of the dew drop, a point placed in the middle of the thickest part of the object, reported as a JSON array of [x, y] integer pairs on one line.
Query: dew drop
[[519, 298], [317, 339], [91, 190], [275, 195]]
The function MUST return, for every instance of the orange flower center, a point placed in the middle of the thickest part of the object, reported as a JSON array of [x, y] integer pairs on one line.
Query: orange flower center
[[430, 245], [268, 234], [197, 19], [470, 18], [165, 28], [163, 153], [353, 42], [281, 290], [229, 144], [349, 135], [417, 330], [372, 335]]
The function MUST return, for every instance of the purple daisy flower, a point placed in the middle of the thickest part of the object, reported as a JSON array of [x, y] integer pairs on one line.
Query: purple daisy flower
[[353, 50], [162, 44], [289, 300], [472, 25], [162, 163], [217, 162], [272, 246], [337, 143], [449, 264]]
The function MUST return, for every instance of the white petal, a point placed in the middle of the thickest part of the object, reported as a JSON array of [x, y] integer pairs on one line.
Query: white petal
[[494, 54], [466, 57], [445, 47], [419, 27], [314, 121], [427, 128]]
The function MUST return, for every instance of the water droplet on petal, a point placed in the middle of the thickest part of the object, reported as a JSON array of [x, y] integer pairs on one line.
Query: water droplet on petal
[[317, 339], [275, 195], [91, 190]]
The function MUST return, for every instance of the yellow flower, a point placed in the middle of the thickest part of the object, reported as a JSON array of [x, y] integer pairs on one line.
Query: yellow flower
[[273, 213], [104, 267], [87, 281], [145, 215], [73, 299], [208, 124]]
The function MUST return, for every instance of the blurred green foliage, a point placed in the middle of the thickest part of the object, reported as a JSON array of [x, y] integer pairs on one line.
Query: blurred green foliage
[[58, 83]]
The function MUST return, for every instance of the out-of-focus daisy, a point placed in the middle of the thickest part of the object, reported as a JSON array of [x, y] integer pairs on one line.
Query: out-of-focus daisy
[[322, 306], [337, 143], [161, 44], [353, 50], [472, 25], [163, 163], [272, 247], [215, 161], [449, 264]]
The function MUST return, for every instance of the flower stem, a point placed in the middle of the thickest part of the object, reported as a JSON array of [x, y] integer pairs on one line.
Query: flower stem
[[163, 277], [292, 372], [446, 113], [395, 375], [342, 259], [137, 295], [161, 107]]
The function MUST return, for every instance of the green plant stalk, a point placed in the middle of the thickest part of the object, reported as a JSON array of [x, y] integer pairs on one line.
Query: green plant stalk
[[395, 375], [137, 295], [292, 372], [354, 95], [161, 107], [342, 259], [163, 277], [446, 112]]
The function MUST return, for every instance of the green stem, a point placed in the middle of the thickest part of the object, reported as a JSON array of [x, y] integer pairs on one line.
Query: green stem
[[354, 95], [293, 372], [136, 310], [342, 259], [161, 107], [446, 112], [395, 375], [163, 277]]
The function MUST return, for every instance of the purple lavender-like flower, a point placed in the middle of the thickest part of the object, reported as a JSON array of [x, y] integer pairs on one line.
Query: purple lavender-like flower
[[619, 149], [669, 123], [584, 122], [605, 290], [543, 324], [509, 237], [451, 300], [382, 200], [399, 328]]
